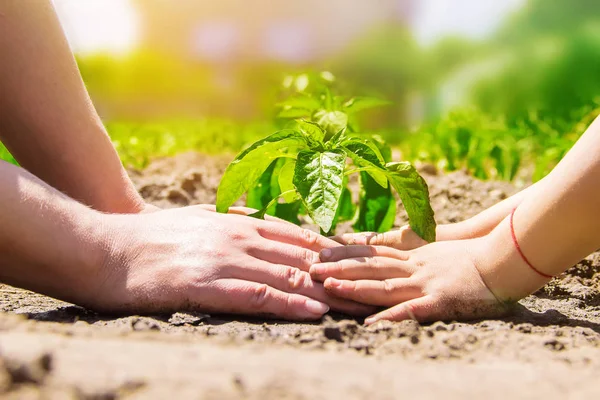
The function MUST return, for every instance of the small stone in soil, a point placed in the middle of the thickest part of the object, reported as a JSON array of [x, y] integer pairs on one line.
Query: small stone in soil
[[333, 333], [179, 319], [306, 339], [144, 324], [554, 345], [408, 328], [381, 326], [360, 344], [439, 326]]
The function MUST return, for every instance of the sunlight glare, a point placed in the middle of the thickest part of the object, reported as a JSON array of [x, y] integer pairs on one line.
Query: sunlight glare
[[99, 25]]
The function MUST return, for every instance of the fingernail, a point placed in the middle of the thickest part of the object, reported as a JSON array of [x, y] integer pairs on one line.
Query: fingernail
[[371, 320], [325, 254], [315, 307], [332, 282]]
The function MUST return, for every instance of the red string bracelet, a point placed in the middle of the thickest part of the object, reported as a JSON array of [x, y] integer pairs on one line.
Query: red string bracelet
[[514, 238]]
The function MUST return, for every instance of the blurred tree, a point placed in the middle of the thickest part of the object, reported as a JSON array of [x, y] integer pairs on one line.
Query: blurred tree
[[554, 61]]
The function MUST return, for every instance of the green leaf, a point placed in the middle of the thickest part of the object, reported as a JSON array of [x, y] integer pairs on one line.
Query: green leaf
[[319, 179], [285, 179], [384, 148], [261, 194], [346, 209], [332, 122], [274, 182], [271, 205], [377, 206], [367, 155], [249, 165], [357, 104], [311, 129], [337, 139], [414, 194], [289, 211], [6, 156]]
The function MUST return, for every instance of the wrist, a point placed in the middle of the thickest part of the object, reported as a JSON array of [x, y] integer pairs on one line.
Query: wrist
[[124, 200], [103, 240], [502, 267]]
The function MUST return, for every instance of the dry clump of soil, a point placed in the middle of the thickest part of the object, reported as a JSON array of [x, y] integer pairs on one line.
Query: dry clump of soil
[[549, 347]]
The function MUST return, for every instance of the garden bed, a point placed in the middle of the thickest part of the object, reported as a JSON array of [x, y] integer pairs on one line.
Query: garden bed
[[550, 347]]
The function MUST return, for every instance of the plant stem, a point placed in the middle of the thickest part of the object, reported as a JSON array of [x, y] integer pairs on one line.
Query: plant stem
[[261, 214], [351, 171]]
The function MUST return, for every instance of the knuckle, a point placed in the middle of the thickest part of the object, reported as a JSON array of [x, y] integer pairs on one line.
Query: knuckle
[[309, 237], [296, 278], [236, 235], [372, 251], [309, 257], [373, 262], [347, 238], [336, 268], [380, 239], [367, 238], [388, 287], [287, 306], [260, 297]]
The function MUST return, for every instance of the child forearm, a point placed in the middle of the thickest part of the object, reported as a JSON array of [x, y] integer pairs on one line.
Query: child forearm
[[484, 222], [555, 227]]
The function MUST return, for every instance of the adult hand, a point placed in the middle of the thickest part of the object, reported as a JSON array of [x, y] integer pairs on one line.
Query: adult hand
[[192, 258], [439, 281]]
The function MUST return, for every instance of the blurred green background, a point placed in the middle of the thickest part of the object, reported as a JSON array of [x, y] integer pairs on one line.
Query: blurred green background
[[499, 88]]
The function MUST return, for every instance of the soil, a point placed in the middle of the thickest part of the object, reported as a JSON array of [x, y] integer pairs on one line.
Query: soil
[[549, 348]]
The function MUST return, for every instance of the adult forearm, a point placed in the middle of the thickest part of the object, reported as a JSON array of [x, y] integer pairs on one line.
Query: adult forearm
[[49, 243], [47, 119]]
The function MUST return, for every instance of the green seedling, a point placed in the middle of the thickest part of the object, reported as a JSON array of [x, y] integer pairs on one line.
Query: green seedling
[[308, 164]]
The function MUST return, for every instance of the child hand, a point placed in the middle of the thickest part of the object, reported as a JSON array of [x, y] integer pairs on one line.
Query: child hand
[[439, 281], [402, 239]]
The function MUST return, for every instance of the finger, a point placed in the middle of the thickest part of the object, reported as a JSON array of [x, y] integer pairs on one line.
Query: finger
[[361, 238], [376, 268], [243, 211], [343, 252], [376, 293], [234, 296], [286, 254], [231, 210], [292, 280], [292, 234], [421, 309], [402, 239]]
